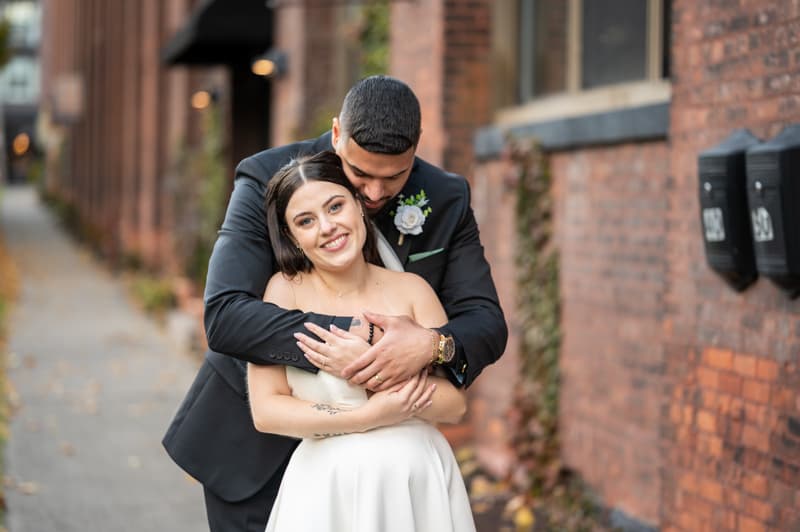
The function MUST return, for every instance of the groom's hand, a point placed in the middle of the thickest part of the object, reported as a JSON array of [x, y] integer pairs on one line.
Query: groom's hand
[[405, 348], [337, 348]]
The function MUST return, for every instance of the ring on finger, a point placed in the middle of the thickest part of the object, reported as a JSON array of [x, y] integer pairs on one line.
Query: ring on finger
[[378, 377]]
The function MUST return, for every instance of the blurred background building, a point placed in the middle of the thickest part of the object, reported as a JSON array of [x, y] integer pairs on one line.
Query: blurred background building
[[679, 401], [19, 86]]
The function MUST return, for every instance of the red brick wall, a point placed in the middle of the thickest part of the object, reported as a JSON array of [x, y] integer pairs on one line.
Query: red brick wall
[[467, 100], [448, 67], [419, 62], [680, 401], [610, 224], [731, 432], [491, 396]]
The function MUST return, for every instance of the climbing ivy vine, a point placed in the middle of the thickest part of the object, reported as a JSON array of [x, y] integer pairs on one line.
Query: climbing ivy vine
[[555, 493]]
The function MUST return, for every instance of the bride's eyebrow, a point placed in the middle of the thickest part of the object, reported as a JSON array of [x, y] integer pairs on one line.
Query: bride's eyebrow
[[327, 202]]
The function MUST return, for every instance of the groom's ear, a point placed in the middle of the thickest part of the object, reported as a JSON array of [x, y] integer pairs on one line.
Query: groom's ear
[[336, 132]]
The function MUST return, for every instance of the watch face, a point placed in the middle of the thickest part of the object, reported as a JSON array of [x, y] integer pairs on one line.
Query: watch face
[[448, 349]]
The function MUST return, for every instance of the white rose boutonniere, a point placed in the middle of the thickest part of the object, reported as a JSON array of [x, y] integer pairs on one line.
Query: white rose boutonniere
[[411, 214]]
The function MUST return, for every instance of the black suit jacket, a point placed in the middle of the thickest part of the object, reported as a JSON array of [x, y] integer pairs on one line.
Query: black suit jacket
[[212, 436]]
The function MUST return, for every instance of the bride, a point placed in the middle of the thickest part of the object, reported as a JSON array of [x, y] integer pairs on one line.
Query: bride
[[367, 461]]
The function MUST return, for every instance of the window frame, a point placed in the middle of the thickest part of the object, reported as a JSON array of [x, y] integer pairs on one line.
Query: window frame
[[575, 101], [573, 82]]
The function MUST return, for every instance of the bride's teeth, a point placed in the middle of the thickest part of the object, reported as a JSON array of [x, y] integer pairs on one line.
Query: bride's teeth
[[334, 243]]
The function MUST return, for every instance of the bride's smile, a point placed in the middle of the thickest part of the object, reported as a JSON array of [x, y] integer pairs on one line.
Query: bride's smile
[[326, 223], [336, 244]]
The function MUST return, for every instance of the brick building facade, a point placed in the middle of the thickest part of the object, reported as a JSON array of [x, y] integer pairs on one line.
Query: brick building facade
[[113, 119], [680, 401]]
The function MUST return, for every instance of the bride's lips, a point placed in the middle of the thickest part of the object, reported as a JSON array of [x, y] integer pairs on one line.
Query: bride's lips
[[336, 243]]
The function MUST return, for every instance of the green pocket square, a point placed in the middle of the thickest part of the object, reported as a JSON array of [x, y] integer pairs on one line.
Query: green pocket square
[[414, 257]]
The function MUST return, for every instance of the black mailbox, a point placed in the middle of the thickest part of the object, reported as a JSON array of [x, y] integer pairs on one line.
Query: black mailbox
[[723, 209], [773, 190]]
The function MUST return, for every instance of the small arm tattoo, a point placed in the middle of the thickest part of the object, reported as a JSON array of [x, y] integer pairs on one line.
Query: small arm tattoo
[[328, 434], [355, 323], [332, 410]]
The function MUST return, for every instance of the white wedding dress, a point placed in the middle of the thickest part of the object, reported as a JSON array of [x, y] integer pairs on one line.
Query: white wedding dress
[[402, 478]]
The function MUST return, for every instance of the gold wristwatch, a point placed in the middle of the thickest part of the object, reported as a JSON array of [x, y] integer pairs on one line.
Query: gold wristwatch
[[445, 350]]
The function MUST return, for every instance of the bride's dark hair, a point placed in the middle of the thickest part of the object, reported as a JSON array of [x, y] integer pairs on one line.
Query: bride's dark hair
[[323, 166]]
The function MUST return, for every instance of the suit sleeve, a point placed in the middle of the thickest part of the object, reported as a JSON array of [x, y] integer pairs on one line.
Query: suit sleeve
[[238, 323], [470, 299]]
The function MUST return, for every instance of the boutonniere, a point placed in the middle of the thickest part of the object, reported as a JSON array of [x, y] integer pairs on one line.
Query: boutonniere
[[410, 214]]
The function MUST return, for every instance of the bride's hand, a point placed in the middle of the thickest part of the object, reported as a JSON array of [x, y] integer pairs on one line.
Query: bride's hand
[[404, 350], [337, 349], [392, 406]]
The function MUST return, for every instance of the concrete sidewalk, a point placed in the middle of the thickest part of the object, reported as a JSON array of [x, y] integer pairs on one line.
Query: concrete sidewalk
[[95, 382]]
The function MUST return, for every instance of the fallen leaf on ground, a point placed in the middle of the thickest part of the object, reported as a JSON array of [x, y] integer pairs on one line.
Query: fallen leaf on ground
[[465, 453], [514, 504], [28, 488], [524, 519], [480, 487], [67, 449], [468, 468], [481, 507]]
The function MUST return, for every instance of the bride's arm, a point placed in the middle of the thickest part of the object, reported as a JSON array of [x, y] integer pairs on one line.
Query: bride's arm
[[449, 403], [276, 411]]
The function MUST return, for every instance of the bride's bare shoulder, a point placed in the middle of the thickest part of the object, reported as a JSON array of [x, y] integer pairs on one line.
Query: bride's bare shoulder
[[281, 290], [402, 282]]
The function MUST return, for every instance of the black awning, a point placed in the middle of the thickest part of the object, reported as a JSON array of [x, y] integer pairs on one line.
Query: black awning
[[221, 32]]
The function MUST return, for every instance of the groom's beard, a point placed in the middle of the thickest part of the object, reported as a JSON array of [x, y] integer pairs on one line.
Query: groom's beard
[[374, 208]]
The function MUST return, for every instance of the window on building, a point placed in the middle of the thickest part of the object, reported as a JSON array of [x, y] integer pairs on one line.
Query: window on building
[[24, 16], [570, 46]]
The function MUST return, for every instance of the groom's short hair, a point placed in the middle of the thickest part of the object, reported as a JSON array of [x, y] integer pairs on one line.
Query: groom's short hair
[[381, 114]]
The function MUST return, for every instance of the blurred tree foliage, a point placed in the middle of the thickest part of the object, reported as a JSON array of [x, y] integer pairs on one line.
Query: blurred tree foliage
[[5, 44], [374, 38], [200, 192]]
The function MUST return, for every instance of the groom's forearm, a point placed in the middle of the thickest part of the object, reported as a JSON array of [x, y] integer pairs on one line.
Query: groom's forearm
[[261, 333]]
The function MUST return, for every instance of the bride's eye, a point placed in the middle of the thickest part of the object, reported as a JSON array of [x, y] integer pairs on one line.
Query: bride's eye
[[304, 222], [336, 207]]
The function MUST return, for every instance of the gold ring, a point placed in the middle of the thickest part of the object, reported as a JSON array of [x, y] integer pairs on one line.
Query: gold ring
[[377, 377]]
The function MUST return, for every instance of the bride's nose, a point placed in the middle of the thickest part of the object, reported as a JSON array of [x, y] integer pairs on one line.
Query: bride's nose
[[327, 225]]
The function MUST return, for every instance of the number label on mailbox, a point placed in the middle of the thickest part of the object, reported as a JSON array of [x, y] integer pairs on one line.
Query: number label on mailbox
[[762, 225], [714, 225]]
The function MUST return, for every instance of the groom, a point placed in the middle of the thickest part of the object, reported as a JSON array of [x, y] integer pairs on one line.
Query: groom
[[212, 436]]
